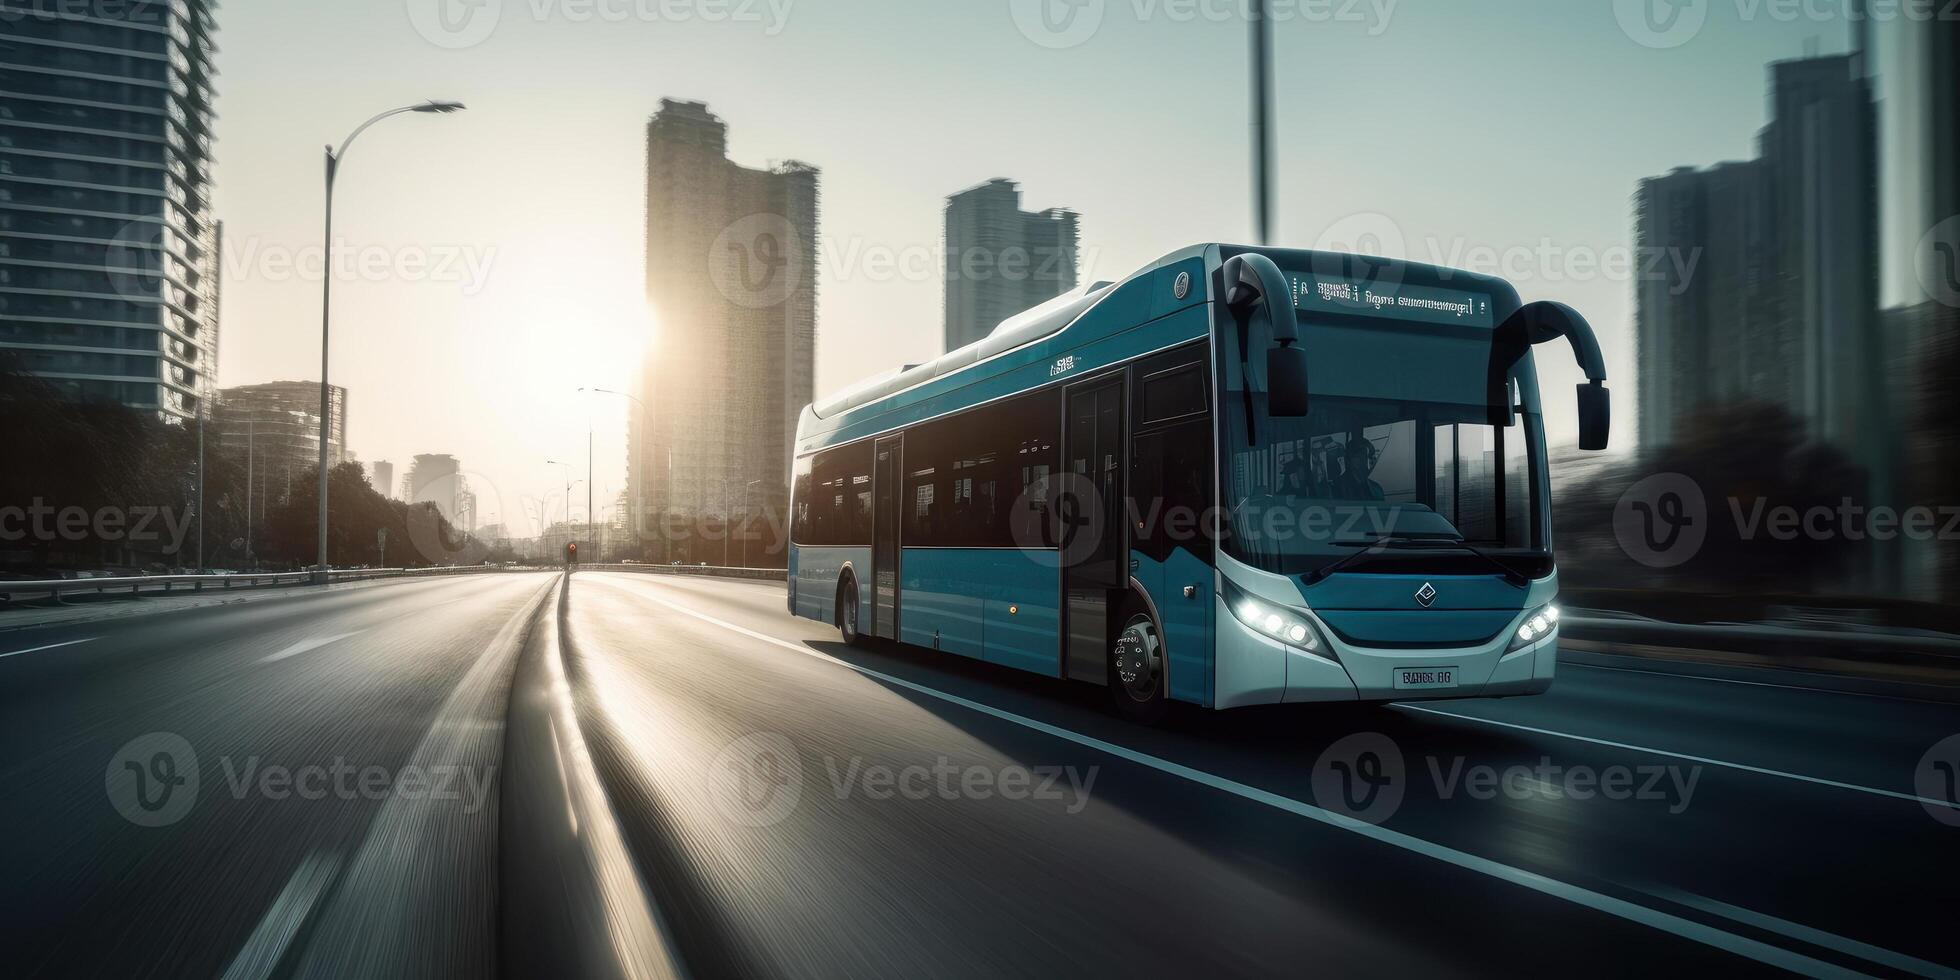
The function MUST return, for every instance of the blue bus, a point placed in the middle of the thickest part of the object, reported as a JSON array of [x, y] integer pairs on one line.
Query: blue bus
[[1240, 476]]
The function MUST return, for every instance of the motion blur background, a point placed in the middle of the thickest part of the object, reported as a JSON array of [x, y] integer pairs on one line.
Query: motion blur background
[[1755, 203]]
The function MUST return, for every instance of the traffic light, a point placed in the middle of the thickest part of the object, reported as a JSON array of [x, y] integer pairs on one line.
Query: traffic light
[[571, 552]]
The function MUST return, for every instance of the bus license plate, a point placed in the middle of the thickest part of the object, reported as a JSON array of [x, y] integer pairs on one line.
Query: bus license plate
[[1424, 678]]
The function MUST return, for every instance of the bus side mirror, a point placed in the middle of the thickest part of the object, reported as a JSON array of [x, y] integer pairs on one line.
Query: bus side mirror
[[1595, 416], [1259, 298], [1286, 382], [1543, 322]]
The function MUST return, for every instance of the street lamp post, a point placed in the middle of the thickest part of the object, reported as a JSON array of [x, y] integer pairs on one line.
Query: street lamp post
[[568, 487], [1262, 120], [326, 304], [646, 417]]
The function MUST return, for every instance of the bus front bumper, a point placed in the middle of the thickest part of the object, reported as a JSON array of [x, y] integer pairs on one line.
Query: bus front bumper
[[1254, 669]]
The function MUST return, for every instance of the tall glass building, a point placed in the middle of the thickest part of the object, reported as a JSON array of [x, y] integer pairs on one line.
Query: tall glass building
[[108, 253]]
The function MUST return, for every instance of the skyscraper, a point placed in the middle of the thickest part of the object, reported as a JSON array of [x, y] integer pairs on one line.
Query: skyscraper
[[381, 474], [731, 279], [1001, 260], [1820, 150], [278, 425], [1781, 301], [1699, 337], [436, 478], [108, 252]]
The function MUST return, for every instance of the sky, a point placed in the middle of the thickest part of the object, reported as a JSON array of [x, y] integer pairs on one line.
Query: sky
[[491, 261]]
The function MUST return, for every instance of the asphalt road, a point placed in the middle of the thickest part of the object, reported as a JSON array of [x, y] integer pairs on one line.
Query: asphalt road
[[660, 775]]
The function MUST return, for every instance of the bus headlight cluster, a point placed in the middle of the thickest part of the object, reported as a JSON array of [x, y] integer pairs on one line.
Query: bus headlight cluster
[[1536, 627], [1281, 623]]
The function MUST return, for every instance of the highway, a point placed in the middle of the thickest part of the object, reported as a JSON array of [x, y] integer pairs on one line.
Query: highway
[[643, 775]]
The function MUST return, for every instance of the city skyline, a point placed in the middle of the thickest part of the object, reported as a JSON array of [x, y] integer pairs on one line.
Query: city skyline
[[534, 285]]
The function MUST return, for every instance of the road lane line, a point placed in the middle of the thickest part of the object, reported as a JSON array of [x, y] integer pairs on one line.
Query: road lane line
[[416, 893], [1564, 663], [1758, 770], [1620, 908], [1802, 933], [305, 645], [51, 646], [267, 945]]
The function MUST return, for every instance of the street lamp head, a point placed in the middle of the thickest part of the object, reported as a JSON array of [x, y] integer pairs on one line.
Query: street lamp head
[[440, 107]]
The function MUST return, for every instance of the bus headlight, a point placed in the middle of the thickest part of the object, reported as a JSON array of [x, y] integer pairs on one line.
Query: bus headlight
[[1282, 623], [1540, 624]]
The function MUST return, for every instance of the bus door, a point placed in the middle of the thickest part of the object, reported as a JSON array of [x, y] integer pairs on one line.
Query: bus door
[[1092, 526], [884, 537]]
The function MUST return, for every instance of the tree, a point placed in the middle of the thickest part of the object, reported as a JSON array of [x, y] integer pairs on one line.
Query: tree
[[1749, 461]]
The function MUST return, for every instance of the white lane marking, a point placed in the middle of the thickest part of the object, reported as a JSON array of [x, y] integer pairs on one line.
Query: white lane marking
[[51, 646], [1704, 760], [1563, 663], [641, 936], [1653, 918], [304, 645], [267, 944], [1815, 937]]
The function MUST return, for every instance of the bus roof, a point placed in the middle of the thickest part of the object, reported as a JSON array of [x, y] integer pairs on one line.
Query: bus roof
[[1081, 316]]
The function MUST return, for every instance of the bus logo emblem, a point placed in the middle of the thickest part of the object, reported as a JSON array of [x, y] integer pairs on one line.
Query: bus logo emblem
[[1426, 596], [1181, 286]]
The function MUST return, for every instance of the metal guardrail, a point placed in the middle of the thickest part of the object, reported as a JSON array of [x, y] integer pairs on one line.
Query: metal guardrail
[[757, 574], [152, 585]]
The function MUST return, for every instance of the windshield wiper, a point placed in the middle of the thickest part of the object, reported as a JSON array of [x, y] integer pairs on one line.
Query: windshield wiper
[[1435, 542]]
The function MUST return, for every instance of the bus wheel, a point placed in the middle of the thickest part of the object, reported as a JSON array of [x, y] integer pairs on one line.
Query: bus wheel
[[847, 611], [1136, 671]]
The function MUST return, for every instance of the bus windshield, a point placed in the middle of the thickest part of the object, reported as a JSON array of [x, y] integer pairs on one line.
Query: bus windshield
[[1374, 462], [1356, 472]]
